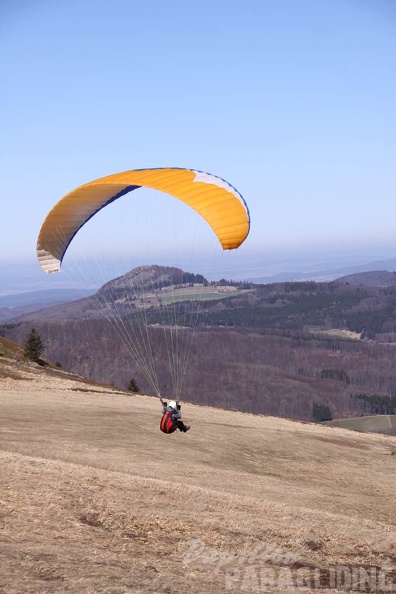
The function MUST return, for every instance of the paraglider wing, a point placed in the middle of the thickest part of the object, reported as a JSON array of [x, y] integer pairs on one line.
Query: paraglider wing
[[219, 203]]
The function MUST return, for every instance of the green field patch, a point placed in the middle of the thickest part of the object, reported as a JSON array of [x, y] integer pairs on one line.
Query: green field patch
[[385, 424], [194, 294]]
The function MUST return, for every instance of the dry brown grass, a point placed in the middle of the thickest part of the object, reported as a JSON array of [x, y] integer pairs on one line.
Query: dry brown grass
[[94, 499]]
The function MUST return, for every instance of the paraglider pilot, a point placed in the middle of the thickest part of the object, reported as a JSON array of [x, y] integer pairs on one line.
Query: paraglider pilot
[[171, 418]]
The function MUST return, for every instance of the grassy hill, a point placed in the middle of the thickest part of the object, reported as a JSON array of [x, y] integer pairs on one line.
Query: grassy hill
[[96, 499]]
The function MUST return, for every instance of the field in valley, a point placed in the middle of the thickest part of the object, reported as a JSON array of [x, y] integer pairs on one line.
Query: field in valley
[[94, 499], [373, 424]]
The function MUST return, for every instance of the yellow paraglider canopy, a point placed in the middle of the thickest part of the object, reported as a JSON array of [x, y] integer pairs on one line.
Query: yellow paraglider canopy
[[219, 203]]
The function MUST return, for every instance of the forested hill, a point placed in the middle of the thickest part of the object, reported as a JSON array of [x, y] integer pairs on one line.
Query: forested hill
[[358, 303], [369, 311], [375, 278]]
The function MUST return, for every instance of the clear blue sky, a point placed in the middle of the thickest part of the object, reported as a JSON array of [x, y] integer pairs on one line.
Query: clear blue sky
[[292, 101]]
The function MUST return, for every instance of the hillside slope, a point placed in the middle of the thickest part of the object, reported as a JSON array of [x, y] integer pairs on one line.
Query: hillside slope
[[374, 278], [96, 499]]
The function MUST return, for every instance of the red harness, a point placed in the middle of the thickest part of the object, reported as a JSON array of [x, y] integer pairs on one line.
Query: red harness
[[167, 424]]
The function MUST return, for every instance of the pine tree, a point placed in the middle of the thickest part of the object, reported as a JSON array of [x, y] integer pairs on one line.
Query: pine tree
[[33, 346], [321, 412], [133, 387]]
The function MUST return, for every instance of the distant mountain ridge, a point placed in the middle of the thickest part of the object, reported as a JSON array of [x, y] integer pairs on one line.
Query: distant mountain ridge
[[17, 305], [326, 275], [149, 287], [374, 278], [289, 305]]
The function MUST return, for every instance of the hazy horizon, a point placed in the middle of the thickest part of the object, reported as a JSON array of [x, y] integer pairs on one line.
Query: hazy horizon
[[25, 276]]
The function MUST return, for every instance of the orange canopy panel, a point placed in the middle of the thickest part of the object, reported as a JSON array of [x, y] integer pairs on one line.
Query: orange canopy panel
[[219, 203]]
